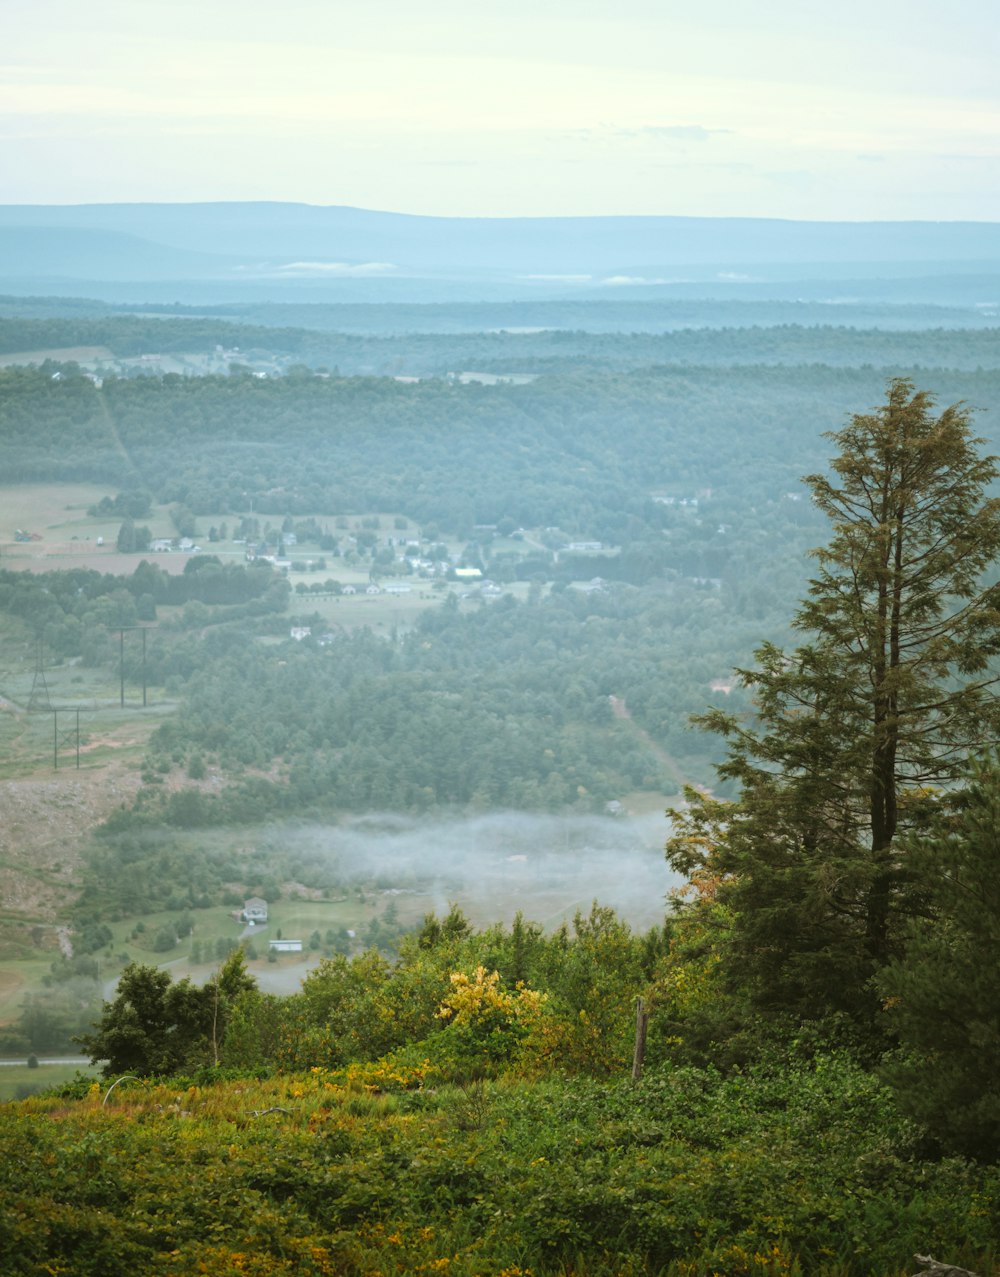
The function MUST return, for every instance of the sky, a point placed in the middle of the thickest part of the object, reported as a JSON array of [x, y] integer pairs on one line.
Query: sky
[[858, 110]]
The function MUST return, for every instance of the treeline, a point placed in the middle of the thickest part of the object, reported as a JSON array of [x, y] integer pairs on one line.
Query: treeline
[[550, 350], [73, 611], [603, 313]]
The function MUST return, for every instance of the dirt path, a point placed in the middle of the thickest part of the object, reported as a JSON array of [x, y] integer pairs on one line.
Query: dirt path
[[118, 441], [670, 764]]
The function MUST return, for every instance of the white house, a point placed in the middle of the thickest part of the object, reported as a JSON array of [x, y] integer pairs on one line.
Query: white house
[[255, 910]]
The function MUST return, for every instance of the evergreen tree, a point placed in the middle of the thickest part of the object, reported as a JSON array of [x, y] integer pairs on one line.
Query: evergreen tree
[[886, 698], [943, 993], [126, 537]]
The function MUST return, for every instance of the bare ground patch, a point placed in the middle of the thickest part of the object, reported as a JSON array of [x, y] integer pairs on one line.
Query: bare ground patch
[[44, 824]]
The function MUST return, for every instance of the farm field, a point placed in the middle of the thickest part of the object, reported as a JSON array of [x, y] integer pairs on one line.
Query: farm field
[[57, 513], [17, 1080]]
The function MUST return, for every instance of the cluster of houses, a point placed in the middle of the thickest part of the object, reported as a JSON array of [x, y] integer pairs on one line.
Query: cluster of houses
[[165, 545], [262, 552]]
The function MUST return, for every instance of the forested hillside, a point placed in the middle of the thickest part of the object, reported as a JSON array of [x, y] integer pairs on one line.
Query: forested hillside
[[432, 598], [585, 452]]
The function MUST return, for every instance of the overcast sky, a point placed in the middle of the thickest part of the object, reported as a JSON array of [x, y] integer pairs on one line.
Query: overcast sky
[[860, 109]]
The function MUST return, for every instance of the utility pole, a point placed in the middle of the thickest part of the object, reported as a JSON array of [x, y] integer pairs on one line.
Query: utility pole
[[121, 661]]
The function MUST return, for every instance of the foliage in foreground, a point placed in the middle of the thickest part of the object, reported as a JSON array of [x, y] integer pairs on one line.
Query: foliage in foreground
[[801, 1168]]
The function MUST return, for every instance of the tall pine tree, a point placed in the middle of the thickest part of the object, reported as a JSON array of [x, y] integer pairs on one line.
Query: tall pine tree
[[888, 693]]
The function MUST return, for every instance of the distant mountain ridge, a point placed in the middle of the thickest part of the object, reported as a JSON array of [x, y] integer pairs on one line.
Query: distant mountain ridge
[[290, 246]]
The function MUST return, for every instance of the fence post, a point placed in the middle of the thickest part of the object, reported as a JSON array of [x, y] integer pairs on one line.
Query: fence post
[[641, 1024]]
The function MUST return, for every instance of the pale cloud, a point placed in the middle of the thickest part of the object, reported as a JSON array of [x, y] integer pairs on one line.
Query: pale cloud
[[349, 270], [678, 132], [503, 109]]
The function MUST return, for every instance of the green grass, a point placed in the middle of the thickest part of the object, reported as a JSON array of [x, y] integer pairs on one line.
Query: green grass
[[27, 741], [17, 1080]]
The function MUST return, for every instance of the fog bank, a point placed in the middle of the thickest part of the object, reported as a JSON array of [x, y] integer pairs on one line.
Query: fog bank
[[493, 865]]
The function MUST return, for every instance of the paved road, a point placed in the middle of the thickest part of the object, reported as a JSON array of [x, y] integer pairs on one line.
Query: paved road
[[50, 1059]]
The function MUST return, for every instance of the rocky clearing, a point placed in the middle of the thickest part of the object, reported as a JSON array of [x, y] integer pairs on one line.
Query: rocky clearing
[[44, 824]]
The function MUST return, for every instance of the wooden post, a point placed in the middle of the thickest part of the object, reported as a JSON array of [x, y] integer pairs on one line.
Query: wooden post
[[641, 1024]]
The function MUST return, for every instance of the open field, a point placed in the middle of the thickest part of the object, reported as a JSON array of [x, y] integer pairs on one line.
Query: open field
[[19, 980], [29, 740], [17, 1080], [57, 512]]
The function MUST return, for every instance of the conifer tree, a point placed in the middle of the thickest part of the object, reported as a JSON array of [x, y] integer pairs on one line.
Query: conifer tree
[[884, 699], [943, 993]]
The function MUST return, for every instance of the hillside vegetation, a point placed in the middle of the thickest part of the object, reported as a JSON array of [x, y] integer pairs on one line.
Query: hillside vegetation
[[793, 1073]]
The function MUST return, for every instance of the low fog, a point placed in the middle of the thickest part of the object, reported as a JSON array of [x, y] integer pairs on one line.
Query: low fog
[[546, 866]]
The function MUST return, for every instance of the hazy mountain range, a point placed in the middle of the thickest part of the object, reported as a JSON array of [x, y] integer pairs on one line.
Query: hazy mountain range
[[220, 250]]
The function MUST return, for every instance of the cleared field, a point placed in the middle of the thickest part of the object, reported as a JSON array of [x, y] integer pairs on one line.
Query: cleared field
[[17, 981], [57, 513], [108, 732], [18, 1081], [42, 507]]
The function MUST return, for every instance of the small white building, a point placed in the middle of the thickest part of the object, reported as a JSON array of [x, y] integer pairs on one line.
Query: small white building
[[285, 946], [255, 910]]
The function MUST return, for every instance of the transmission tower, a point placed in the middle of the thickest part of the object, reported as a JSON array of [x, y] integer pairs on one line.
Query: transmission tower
[[67, 740], [39, 698]]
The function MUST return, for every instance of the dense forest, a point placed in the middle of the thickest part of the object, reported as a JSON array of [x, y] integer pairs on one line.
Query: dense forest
[[546, 454]]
